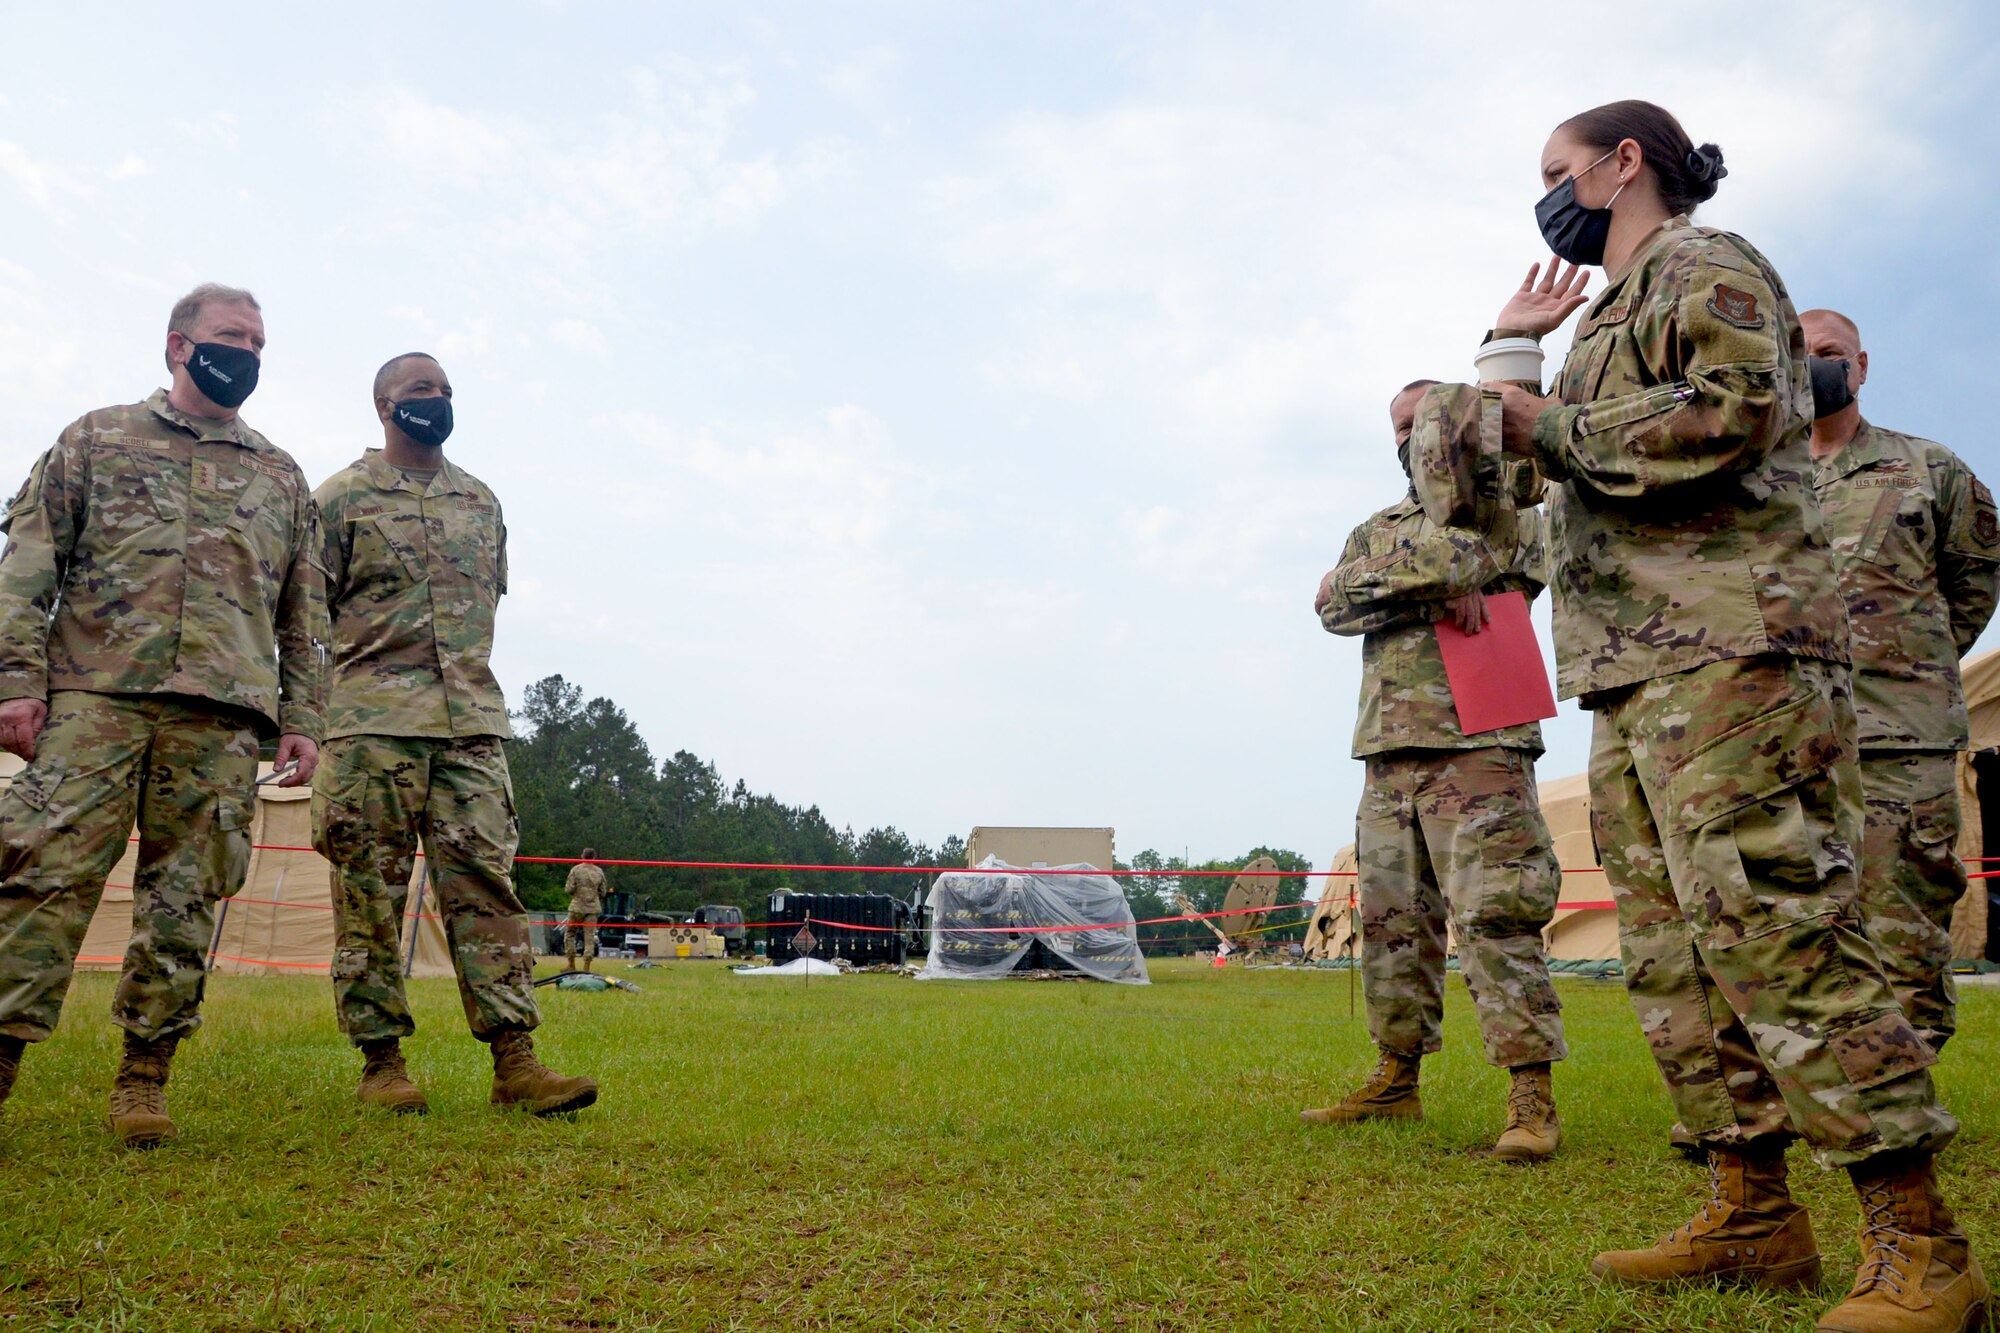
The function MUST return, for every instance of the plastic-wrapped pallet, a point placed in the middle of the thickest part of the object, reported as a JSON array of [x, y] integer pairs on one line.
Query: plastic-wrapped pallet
[[978, 917]]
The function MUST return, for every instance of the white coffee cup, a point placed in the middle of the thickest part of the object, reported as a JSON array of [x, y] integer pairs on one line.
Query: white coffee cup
[[1507, 359]]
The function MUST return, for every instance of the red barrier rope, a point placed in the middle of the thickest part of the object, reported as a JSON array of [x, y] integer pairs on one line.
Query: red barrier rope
[[962, 870], [917, 870]]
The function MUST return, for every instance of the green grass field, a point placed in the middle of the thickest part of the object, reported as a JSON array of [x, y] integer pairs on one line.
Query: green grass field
[[877, 1152]]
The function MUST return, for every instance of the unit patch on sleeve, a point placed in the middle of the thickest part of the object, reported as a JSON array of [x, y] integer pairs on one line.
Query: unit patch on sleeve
[[1732, 305]]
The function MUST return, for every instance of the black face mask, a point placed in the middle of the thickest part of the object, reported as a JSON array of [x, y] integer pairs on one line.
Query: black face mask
[[1829, 385], [225, 375], [1573, 232], [1403, 457], [425, 420]]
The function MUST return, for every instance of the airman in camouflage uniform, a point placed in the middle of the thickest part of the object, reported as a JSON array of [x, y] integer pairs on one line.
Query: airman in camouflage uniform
[[1450, 825], [416, 560], [159, 611], [1698, 616], [1917, 547], [586, 903]]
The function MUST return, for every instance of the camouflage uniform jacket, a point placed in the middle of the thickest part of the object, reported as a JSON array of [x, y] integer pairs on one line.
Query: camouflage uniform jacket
[[1917, 545], [150, 552], [586, 888], [1393, 578], [414, 574], [1684, 529]]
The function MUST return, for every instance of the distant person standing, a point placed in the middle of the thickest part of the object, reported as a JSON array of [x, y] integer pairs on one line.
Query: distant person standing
[[159, 611], [586, 902], [416, 560], [1451, 827], [1917, 545]]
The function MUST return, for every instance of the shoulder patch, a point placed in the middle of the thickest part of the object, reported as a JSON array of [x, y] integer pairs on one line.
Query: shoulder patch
[[1733, 305], [1985, 523]]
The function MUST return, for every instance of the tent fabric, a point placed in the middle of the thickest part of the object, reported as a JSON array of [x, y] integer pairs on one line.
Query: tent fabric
[[1969, 925], [281, 922], [997, 894]]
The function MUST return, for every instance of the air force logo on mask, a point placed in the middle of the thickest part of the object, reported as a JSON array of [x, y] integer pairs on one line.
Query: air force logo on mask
[[425, 420]]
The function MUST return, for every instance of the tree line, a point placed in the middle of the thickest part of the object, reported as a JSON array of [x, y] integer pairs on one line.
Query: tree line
[[585, 777]]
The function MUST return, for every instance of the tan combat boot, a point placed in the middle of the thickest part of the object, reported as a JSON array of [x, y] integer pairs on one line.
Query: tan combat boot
[[519, 1079], [10, 1064], [1918, 1273], [1533, 1129], [1748, 1233], [1389, 1094], [385, 1079], [139, 1092]]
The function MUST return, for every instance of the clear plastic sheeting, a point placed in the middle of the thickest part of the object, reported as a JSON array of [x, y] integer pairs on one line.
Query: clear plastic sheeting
[[798, 967], [977, 920]]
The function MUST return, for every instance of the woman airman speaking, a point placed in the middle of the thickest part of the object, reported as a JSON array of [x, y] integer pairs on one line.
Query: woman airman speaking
[[1697, 615]]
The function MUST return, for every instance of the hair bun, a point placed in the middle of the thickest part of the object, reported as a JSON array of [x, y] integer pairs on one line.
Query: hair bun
[[1705, 165]]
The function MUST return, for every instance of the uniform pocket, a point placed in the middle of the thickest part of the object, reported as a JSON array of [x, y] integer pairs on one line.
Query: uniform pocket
[[340, 791], [1883, 1049], [234, 815], [386, 547], [129, 491], [34, 787], [252, 502], [1777, 748], [1934, 822], [1597, 338], [470, 540], [1901, 531], [1506, 829]]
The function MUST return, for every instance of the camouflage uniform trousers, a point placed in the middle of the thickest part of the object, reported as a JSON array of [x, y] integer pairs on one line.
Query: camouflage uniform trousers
[[1911, 879], [1726, 804], [373, 797], [1457, 833], [182, 770], [580, 936]]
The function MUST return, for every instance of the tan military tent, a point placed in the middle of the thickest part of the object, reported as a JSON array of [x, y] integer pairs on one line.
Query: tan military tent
[[1972, 933], [1586, 928], [281, 924]]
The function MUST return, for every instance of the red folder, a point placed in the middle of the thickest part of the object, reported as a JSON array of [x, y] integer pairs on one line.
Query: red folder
[[1497, 675]]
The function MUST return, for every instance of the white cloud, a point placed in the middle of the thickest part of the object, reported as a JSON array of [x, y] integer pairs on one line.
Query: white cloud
[[859, 80], [831, 490], [668, 157], [216, 129], [29, 176], [580, 335]]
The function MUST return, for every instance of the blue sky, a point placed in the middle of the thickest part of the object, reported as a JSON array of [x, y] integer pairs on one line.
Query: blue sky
[[943, 413]]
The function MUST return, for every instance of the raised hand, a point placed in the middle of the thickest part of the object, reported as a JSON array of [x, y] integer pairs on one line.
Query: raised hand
[[1540, 307]]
